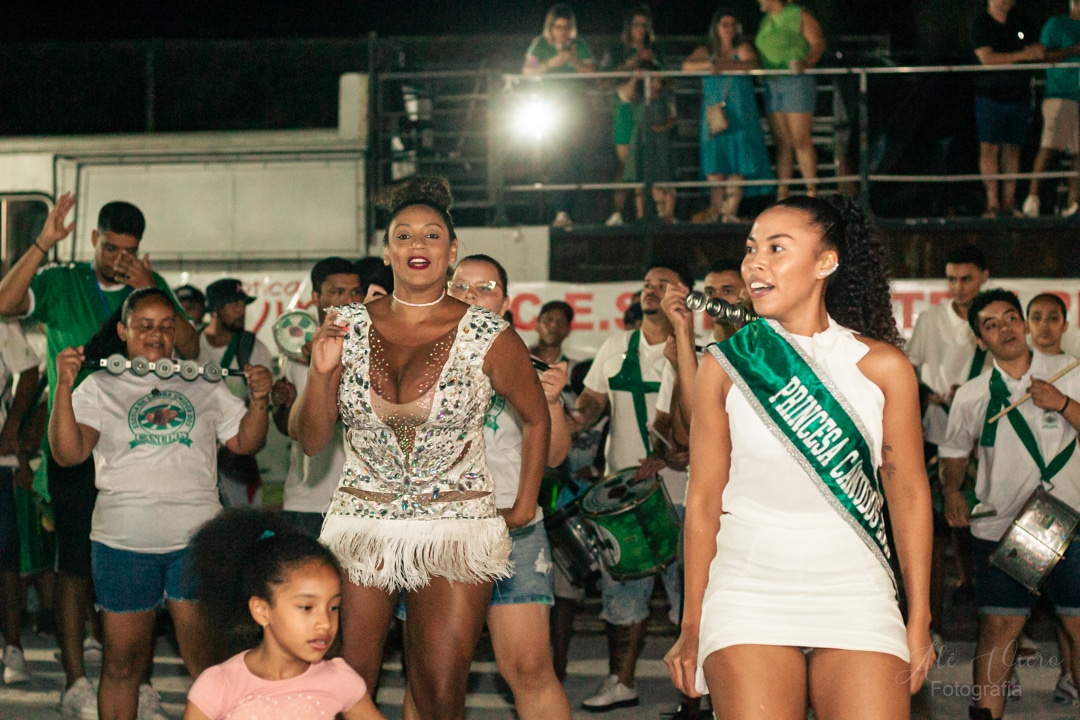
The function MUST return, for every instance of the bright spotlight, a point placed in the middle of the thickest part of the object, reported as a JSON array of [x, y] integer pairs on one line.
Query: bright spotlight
[[536, 117]]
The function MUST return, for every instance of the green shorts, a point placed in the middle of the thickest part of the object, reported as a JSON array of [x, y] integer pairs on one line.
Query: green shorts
[[623, 117]]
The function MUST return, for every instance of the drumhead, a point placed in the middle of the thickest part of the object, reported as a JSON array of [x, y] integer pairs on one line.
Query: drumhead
[[293, 330], [618, 491]]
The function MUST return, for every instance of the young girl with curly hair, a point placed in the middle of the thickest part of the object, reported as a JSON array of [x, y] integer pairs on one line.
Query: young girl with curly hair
[[259, 576], [789, 591]]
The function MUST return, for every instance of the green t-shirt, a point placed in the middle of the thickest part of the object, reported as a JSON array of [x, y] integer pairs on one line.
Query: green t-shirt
[[780, 40], [72, 306], [1060, 32], [543, 51]]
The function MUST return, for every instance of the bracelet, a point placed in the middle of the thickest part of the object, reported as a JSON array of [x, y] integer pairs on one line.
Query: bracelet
[[1067, 401], [43, 250]]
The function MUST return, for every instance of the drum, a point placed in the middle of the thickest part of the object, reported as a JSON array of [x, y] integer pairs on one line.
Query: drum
[[572, 546], [635, 524], [292, 331], [1036, 540]]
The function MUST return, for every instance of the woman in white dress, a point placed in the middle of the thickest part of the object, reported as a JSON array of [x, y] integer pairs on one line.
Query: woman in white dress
[[789, 595]]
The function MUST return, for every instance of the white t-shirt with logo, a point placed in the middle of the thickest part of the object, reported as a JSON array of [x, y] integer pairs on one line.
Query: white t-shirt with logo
[[15, 357], [624, 444], [156, 457], [311, 481]]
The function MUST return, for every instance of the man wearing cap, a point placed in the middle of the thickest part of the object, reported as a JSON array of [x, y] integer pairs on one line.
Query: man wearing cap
[[193, 301], [226, 342], [72, 300]]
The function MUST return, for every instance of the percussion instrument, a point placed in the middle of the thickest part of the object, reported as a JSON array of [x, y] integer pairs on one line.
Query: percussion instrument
[[719, 309], [292, 331], [164, 368], [635, 524], [572, 546], [1036, 540]]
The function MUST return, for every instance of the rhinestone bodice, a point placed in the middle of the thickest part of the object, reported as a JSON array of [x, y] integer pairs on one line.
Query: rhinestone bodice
[[424, 459]]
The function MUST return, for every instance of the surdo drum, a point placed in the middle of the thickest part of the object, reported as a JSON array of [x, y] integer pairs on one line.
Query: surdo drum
[[1036, 540], [634, 523]]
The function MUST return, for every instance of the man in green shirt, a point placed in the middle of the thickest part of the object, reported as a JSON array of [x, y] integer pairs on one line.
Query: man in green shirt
[[72, 301]]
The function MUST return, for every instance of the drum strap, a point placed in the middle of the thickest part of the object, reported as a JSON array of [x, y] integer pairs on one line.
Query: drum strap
[[999, 399], [814, 422], [629, 379]]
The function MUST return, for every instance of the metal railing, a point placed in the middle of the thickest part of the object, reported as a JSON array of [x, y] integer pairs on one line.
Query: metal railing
[[482, 151]]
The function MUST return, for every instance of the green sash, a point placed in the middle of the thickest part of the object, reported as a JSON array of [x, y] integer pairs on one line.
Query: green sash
[[978, 360], [629, 379], [813, 421], [999, 399]]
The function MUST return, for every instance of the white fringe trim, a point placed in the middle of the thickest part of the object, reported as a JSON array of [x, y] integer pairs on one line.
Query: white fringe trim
[[407, 554]]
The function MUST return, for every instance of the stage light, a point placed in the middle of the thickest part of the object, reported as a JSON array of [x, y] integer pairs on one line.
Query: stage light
[[536, 117]]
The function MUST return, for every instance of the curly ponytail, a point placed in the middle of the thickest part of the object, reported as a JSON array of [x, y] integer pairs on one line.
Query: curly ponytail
[[244, 553], [857, 295]]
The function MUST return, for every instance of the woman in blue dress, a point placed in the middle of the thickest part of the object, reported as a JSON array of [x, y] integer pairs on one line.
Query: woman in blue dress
[[737, 153]]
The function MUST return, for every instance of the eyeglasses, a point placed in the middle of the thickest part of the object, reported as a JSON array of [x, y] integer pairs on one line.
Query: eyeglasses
[[484, 288]]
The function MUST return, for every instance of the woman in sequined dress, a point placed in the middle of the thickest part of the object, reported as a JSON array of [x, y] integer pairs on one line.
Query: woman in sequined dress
[[412, 375]]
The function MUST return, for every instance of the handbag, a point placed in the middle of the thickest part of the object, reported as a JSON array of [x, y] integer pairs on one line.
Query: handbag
[[716, 115]]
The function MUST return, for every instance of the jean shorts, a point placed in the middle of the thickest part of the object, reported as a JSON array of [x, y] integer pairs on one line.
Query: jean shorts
[[791, 94], [530, 582], [996, 593], [1001, 123], [127, 581]]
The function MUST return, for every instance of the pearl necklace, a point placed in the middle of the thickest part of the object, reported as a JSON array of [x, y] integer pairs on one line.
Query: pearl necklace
[[436, 301]]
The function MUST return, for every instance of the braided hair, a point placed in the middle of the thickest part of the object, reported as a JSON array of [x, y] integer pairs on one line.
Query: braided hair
[[857, 294]]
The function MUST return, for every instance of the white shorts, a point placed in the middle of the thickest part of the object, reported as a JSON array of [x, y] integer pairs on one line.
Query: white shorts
[[1061, 125], [816, 588]]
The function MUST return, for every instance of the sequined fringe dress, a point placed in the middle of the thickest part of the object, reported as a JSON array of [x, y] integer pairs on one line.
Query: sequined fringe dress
[[415, 500]]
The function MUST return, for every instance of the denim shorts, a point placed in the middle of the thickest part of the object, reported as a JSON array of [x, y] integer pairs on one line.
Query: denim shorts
[[791, 94], [127, 581], [996, 593], [1001, 123], [530, 554]]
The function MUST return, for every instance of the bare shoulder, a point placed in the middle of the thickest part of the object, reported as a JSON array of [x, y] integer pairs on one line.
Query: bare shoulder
[[886, 365]]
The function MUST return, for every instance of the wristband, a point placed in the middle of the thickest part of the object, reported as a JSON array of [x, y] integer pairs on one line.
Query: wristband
[[43, 250], [1067, 401]]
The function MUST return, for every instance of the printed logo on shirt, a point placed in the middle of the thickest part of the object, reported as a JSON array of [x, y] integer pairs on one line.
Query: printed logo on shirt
[[495, 409], [163, 417]]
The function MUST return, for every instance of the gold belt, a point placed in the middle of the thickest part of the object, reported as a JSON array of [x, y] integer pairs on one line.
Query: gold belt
[[424, 499]]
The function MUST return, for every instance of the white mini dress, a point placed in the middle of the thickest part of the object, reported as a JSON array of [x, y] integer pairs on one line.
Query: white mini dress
[[788, 569]]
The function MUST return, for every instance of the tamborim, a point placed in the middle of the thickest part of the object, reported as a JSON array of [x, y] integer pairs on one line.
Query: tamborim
[[293, 331], [572, 546], [1036, 540], [635, 524]]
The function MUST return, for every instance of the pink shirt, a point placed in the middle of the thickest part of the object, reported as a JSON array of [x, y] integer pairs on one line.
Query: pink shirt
[[230, 691]]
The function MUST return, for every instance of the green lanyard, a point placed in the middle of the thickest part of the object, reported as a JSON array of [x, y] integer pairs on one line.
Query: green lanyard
[[977, 363], [999, 399], [629, 379]]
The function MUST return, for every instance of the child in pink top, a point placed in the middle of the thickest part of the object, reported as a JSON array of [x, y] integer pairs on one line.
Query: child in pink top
[[253, 567]]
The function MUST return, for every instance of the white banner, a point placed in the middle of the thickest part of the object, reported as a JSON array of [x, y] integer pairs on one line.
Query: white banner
[[598, 307]]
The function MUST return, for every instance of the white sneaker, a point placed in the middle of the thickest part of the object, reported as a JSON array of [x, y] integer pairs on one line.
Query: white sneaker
[[562, 219], [150, 704], [15, 669], [1065, 692], [92, 651], [614, 220], [1070, 210], [1031, 206], [611, 694], [79, 702]]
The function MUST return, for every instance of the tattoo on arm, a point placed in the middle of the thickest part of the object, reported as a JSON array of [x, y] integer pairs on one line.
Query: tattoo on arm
[[888, 467]]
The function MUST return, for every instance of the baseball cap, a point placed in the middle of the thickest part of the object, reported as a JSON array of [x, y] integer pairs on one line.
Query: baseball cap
[[224, 291], [189, 292]]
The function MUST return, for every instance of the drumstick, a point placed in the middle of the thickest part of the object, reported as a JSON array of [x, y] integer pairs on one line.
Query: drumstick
[[1027, 396]]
